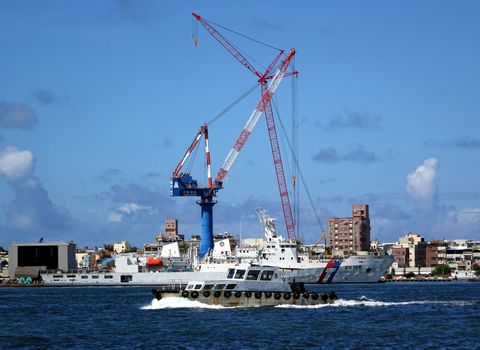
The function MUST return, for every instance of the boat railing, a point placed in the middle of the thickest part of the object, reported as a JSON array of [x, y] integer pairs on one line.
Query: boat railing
[[173, 285], [72, 271]]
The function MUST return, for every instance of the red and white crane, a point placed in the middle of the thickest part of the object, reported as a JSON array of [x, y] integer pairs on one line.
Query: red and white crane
[[269, 83]]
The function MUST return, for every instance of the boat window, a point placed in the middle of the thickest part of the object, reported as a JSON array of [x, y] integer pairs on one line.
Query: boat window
[[95, 276], [84, 277], [219, 286], [71, 276], [266, 275], [208, 287], [231, 286], [231, 273], [57, 276], [253, 275], [198, 286], [108, 276], [240, 274], [189, 286], [125, 278]]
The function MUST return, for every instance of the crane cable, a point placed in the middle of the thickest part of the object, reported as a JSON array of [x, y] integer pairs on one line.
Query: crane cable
[[242, 35], [194, 31], [233, 104], [235, 46]]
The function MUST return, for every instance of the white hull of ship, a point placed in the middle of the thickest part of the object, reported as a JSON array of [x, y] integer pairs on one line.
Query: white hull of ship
[[355, 269]]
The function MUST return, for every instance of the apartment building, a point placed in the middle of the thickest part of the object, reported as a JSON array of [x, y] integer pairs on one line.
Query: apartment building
[[350, 235]]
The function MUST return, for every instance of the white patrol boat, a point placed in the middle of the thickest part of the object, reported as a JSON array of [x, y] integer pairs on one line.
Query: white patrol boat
[[248, 286]]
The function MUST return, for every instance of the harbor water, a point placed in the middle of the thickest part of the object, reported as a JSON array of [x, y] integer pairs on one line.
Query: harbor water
[[401, 315]]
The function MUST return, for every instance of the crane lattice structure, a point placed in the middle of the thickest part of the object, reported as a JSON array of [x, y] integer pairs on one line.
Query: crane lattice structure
[[182, 184], [263, 78]]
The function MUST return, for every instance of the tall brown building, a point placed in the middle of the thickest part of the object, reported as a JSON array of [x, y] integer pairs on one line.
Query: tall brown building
[[171, 231], [350, 235], [436, 252], [401, 255]]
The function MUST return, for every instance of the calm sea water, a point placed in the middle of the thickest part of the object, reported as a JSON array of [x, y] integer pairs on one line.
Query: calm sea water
[[368, 316]]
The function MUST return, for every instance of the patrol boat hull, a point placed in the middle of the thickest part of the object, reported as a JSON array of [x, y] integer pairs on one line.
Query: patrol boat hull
[[248, 285], [250, 299]]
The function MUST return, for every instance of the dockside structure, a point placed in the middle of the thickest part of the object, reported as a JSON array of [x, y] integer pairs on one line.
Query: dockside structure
[[27, 259]]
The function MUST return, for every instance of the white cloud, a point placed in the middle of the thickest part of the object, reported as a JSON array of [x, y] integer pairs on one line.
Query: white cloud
[[422, 183], [129, 209], [31, 209], [114, 217], [132, 208], [16, 165], [469, 216]]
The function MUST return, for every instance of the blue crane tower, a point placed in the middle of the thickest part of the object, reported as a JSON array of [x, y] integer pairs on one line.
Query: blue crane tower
[[183, 185]]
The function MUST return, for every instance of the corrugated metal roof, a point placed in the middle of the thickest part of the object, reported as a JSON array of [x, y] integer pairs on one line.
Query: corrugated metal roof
[[41, 244]]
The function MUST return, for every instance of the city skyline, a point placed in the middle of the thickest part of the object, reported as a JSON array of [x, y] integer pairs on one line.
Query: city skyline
[[99, 101]]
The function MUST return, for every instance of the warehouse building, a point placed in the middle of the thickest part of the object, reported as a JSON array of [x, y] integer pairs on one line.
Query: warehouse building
[[27, 259]]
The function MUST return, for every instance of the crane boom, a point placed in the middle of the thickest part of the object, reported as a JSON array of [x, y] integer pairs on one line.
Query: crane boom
[[262, 78], [267, 94], [226, 44], [190, 149], [277, 162]]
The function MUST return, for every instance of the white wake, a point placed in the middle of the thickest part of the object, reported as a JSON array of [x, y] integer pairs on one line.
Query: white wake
[[178, 303], [364, 301]]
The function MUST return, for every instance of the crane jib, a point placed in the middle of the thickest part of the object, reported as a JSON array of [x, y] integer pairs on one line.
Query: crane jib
[[267, 95]]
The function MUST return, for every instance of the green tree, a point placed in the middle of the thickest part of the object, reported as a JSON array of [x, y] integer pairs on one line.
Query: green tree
[[2, 250], [410, 275], [476, 269], [441, 270]]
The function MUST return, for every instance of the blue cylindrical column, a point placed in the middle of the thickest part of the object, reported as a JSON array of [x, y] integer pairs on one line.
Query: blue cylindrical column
[[206, 207]]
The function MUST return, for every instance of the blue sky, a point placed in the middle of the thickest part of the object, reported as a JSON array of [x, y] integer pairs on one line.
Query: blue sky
[[99, 100]]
